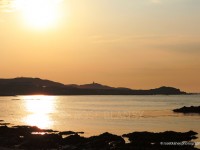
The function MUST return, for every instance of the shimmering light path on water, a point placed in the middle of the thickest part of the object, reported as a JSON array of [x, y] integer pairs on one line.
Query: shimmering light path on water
[[97, 114]]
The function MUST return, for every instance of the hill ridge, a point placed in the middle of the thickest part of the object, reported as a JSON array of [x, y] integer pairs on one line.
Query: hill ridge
[[29, 85]]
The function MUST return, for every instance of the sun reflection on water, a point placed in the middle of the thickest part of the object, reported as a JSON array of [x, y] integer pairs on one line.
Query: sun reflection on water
[[39, 108]]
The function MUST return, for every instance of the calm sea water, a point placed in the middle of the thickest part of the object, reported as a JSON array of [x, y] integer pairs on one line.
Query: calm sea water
[[98, 114]]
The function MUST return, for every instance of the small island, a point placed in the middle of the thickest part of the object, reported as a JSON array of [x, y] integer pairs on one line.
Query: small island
[[191, 109]]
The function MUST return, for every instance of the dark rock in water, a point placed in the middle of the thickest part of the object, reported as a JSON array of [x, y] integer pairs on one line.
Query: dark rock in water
[[106, 140], [32, 138], [167, 136], [192, 109], [70, 133], [100, 142], [4, 124], [67, 133], [48, 130], [38, 141], [162, 140], [73, 140], [23, 137]]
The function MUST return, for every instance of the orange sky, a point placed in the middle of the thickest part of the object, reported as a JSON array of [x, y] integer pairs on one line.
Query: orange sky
[[137, 44]]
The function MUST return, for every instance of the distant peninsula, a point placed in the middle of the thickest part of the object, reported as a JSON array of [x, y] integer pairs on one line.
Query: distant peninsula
[[31, 86]]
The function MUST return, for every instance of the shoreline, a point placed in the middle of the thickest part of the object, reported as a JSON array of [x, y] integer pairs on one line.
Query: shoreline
[[43, 94]]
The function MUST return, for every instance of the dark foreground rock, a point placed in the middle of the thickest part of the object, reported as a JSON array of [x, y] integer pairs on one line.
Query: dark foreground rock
[[191, 109], [34, 138], [162, 140]]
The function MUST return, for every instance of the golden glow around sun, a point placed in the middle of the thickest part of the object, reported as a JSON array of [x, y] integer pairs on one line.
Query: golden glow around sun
[[40, 14], [40, 109]]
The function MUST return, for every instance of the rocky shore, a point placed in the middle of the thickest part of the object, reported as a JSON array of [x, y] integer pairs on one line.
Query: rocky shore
[[34, 138]]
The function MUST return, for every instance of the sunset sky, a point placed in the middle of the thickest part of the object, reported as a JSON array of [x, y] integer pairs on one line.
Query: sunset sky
[[139, 44]]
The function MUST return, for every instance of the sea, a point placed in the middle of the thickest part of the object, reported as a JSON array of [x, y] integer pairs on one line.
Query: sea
[[97, 114]]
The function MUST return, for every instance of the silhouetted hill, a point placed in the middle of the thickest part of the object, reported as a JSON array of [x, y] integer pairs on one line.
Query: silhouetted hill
[[29, 82], [24, 85], [28, 86]]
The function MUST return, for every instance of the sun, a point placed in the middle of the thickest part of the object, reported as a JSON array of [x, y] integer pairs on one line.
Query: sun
[[40, 14]]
